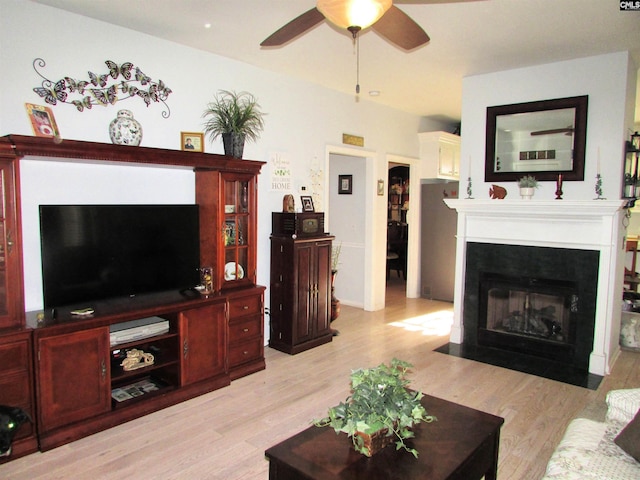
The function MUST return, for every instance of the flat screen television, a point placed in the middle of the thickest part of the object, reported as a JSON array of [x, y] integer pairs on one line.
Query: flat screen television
[[97, 252]]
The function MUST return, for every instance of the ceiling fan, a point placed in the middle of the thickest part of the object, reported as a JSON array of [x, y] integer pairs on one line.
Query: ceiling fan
[[567, 131], [355, 15]]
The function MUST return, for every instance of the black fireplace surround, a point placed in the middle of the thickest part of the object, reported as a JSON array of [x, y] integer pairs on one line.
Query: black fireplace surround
[[572, 274]]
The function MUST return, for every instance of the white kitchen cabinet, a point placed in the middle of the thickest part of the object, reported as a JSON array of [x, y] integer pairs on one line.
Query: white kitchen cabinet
[[440, 155]]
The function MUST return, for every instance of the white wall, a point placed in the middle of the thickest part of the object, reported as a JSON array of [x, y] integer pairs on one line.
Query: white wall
[[303, 119], [608, 80]]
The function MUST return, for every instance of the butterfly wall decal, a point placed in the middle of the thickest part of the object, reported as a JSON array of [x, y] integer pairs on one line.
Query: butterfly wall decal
[[115, 70], [53, 95], [102, 88]]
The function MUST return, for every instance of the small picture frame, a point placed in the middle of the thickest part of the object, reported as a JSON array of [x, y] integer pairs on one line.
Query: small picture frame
[[192, 141], [307, 204], [42, 121], [345, 184]]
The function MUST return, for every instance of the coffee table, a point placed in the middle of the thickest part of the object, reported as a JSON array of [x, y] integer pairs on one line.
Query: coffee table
[[462, 444]]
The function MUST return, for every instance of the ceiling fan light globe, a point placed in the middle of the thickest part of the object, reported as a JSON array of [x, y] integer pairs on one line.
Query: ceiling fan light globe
[[350, 13]]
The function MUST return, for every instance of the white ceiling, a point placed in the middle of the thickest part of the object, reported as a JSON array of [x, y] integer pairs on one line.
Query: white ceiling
[[467, 37]]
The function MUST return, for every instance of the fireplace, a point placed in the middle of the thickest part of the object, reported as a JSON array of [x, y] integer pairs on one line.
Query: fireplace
[[531, 300], [542, 277]]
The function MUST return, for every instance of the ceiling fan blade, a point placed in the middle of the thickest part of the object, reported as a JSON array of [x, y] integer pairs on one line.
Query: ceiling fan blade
[[397, 27], [567, 130], [295, 27]]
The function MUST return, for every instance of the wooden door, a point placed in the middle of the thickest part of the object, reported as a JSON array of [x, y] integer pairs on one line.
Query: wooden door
[[73, 377], [322, 275], [304, 308], [16, 387], [203, 334]]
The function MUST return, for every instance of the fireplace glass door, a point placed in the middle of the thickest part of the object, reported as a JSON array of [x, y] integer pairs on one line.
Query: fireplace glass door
[[524, 312], [539, 310]]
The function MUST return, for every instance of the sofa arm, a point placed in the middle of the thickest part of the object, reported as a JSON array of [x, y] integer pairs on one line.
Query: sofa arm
[[622, 405]]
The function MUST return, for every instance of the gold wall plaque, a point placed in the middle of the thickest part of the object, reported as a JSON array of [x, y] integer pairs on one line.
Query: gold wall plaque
[[352, 140]]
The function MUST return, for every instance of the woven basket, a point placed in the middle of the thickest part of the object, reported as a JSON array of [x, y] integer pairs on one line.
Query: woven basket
[[373, 443]]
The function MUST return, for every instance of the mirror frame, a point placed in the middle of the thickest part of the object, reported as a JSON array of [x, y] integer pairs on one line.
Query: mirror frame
[[580, 104]]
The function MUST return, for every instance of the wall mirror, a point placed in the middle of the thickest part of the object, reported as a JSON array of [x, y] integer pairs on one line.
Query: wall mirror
[[541, 138]]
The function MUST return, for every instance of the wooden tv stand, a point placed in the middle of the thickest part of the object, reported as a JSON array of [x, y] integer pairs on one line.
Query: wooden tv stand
[[74, 383]]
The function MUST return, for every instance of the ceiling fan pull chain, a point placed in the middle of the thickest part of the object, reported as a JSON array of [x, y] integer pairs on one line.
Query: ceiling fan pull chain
[[357, 39], [356, 42]]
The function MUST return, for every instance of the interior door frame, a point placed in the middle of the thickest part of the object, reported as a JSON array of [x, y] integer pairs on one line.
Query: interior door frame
[[374, 270], [413, 220]]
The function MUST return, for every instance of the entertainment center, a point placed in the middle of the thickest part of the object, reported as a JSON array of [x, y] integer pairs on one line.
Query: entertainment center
[[62, 367]]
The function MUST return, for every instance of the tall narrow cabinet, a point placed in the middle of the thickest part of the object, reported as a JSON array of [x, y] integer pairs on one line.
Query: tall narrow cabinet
[[300, 293]]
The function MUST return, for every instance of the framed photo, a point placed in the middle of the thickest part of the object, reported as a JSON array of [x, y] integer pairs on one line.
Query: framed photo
[[42, 121], [345, 184], [307, 204], [192, 141], [229, 232]]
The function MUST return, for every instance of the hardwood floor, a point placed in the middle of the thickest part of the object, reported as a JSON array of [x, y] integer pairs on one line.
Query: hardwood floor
[[223, 435]]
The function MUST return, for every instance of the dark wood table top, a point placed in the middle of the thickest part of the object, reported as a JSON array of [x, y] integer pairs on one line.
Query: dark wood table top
[[462, 443]]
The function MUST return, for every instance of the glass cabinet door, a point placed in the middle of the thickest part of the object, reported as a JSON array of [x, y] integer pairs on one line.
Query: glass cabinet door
[[3, 248], [238, 230], [11, 304]]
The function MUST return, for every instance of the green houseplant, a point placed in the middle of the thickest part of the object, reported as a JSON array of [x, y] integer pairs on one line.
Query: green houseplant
[[236, 117], [527, 185], [381, 409]]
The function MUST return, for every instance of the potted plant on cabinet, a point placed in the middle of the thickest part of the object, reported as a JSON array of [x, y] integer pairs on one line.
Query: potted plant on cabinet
[[235, 117], [380, 410], [527, 185]]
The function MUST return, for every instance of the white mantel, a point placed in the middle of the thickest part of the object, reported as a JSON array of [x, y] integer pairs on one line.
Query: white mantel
[[586, 225]]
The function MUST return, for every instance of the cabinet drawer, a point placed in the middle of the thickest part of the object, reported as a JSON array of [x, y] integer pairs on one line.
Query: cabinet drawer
[[245, 351], [14, 357], [242, 306], [244, 330]]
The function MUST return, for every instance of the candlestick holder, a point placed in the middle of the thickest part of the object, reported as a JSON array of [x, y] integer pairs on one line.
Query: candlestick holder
[[469, 189], [599, 188], [559, 187]]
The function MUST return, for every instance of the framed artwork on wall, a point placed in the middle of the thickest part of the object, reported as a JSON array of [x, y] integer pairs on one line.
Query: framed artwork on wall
[[345, 184]]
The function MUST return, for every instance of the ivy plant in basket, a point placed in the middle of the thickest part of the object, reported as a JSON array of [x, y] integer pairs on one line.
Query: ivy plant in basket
[[380, 410]]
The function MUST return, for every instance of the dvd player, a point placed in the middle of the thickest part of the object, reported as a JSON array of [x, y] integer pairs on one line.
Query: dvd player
[[137, 329]]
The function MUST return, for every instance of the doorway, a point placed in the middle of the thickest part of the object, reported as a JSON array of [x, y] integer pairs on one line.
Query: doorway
[[347, 222], [410, 214], [398, 195], [368, 265]]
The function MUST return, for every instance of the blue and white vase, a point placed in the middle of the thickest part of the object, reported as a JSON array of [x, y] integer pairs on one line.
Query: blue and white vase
[[125, 130]]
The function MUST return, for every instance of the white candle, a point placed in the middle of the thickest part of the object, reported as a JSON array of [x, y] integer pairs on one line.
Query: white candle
[[598, 164], [469, 176]]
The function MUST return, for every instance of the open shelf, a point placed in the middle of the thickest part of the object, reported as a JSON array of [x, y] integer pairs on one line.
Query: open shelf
[[164, 348], [143, 388]]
